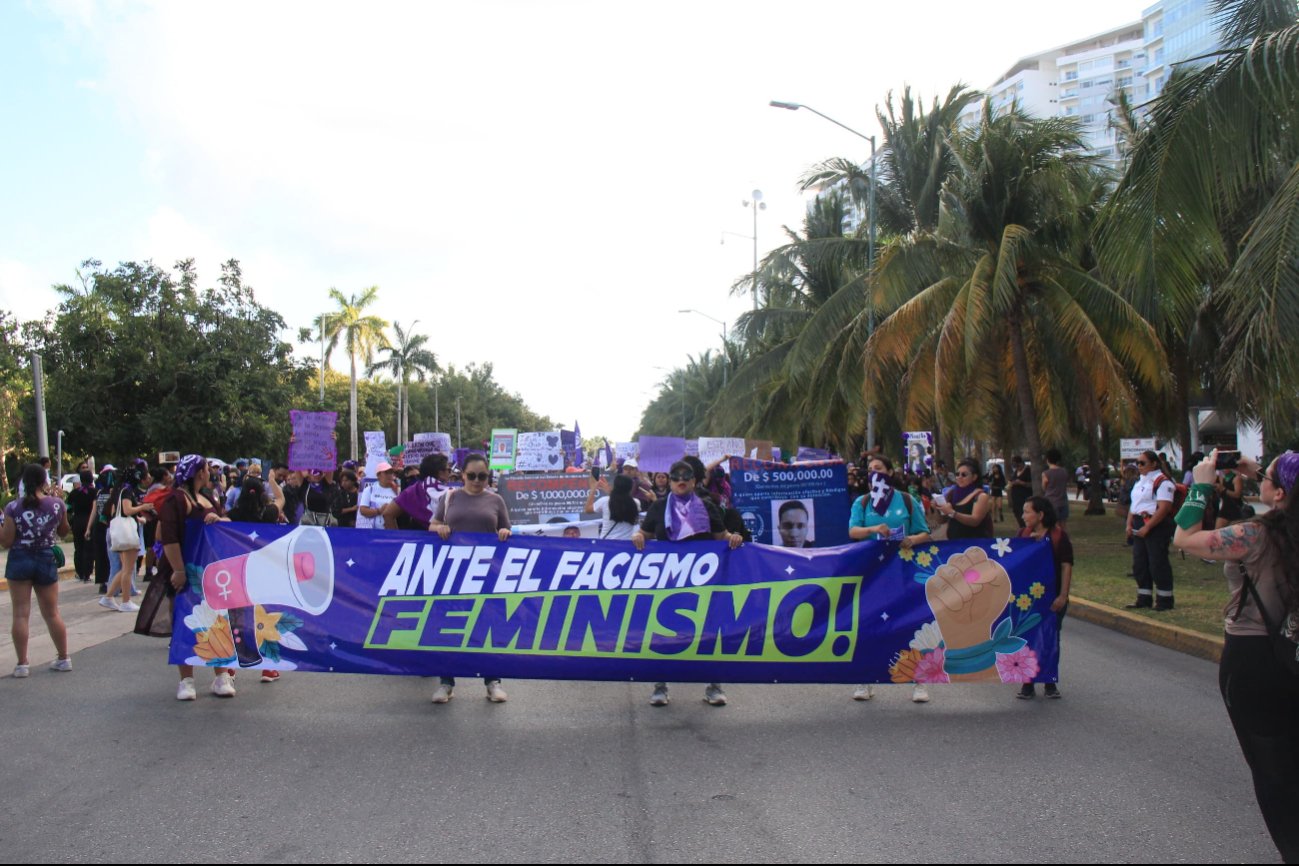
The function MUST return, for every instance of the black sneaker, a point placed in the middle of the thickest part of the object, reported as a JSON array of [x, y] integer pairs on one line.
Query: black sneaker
[[1143, 601], [1027, 692], [1051, 690]]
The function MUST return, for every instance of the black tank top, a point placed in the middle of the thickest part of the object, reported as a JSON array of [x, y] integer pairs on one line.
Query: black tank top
[[956, 529]]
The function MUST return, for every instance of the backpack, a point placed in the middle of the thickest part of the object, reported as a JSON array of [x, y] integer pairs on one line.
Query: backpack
[[1284, 647], [1179, 492]]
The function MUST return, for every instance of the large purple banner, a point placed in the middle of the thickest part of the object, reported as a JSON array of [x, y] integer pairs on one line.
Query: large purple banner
[[381, 602]]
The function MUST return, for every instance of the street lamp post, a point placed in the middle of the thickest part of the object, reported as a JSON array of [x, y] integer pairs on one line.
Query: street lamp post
[[322, 358], [725, 365], [757, 204], [459, 443], [870, 247]]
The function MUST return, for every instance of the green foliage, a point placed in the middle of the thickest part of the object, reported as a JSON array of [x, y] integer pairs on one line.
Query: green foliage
[[484, 405], [138, 359]]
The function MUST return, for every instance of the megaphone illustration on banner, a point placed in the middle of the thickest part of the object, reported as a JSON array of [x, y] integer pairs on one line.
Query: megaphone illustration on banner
[[296, 571]]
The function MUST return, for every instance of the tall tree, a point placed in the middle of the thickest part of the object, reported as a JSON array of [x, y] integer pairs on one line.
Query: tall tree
[[1206, 217], [407, 358], [138, 359], [998, 294], [362, 334]]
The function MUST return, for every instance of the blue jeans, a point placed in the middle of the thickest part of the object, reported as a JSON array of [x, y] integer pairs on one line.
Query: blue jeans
[[34, 564]]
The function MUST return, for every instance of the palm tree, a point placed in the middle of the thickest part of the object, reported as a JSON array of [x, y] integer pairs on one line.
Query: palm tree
[[361, 334], [408, 357], [1202, 225], [998, 296]]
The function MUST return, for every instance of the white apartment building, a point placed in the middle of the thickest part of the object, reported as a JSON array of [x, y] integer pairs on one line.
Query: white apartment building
[[1078, 79]]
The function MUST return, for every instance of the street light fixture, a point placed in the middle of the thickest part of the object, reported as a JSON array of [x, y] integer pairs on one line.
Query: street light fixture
[[870, 222], [724, 341]]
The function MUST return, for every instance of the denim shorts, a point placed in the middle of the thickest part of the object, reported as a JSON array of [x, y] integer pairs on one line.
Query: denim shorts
[[34, 565]]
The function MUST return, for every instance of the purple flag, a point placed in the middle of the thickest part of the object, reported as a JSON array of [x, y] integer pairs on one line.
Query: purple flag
[[578, 457]]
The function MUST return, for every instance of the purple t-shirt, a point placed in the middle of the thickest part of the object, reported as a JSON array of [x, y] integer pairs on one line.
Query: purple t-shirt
[[36, 528], [420, 500]]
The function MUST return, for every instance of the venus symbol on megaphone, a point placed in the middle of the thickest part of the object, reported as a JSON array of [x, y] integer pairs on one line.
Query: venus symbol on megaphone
[[295, 571]]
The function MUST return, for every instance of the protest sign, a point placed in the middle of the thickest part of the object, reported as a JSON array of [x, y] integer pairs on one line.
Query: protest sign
[[539, 452], [712, 449], [810, 455], [376, 452], [658, 453], [562, 529], [776, 453], [918, 446], [757, 449], [692, 447], [627, 451], [502, 456], [391, 602], [313, 445], [539, 498], [441, 442], [792, 506]]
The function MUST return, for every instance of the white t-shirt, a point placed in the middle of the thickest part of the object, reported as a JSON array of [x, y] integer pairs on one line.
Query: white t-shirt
[[373, 496], [1144, 496], [608, 529]]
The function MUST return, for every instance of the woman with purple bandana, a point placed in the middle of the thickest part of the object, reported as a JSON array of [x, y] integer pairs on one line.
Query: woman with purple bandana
[[1260, 692], [190, 500], [684, 516]]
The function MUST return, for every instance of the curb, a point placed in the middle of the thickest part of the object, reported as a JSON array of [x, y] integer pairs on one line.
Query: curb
[[1173, 637]]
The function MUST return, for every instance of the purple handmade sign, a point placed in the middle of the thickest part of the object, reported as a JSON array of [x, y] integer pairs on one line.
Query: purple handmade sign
[[313, 445], [658, 453]]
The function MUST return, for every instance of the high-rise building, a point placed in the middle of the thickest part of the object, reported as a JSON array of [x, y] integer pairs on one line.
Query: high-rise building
[[1079, 79]]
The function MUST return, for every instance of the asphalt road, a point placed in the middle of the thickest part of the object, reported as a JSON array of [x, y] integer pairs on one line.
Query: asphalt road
[[1136, 763]]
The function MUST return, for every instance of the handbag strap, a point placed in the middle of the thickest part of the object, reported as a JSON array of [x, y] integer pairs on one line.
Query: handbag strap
[[1251, 590]]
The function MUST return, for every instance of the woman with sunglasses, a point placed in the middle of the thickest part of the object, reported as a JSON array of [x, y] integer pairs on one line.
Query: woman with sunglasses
[[685, 516], [1262, 570], [968, 507], [471, 509], [1149, 531]]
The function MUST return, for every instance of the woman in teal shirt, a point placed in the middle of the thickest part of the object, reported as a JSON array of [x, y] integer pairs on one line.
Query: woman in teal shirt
[[885, 513]]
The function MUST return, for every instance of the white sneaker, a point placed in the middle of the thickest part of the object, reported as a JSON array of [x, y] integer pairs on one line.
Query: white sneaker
[[864, 693], [920, 694], [105, 601], [442, 694], [223, 686], [63, 665], [186, 692], [22, 672], [495, 693], [128, 607], [660, 696], [714, 696]]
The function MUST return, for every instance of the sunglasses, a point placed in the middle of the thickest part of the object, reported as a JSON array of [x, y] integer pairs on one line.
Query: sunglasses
[[1262, 476], [476, 476], [681, 476]]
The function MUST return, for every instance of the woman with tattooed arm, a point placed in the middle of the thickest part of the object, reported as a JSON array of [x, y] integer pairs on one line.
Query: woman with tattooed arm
[[1262, 567]]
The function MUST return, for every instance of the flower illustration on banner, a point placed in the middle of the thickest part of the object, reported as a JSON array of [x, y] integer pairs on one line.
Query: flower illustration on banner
[[1037, 590], [202, 617], [927, 637], [924, 559], [215, 645], [903, 670], [1002, 547], [906, 554], [1024, 603], [933, 549], [930, 668], [1017, 667]]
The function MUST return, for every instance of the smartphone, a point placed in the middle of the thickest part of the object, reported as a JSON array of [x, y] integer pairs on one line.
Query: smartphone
[[1227, 460], [595, 472]]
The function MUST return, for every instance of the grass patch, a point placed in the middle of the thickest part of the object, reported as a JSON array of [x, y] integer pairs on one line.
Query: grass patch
[[1102, 562]]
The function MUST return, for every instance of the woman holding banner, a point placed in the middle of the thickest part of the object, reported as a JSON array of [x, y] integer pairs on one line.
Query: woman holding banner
[[968, 507], [472, 509], [887, 514], [684, 516], [189, 500]]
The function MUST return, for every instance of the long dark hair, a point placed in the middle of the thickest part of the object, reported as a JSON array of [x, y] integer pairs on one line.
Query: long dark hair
[[33, 480], [1282, 527], [251, 505], [622, 507]]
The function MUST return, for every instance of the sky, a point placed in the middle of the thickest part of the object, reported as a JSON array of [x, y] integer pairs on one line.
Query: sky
[[542, 185]]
